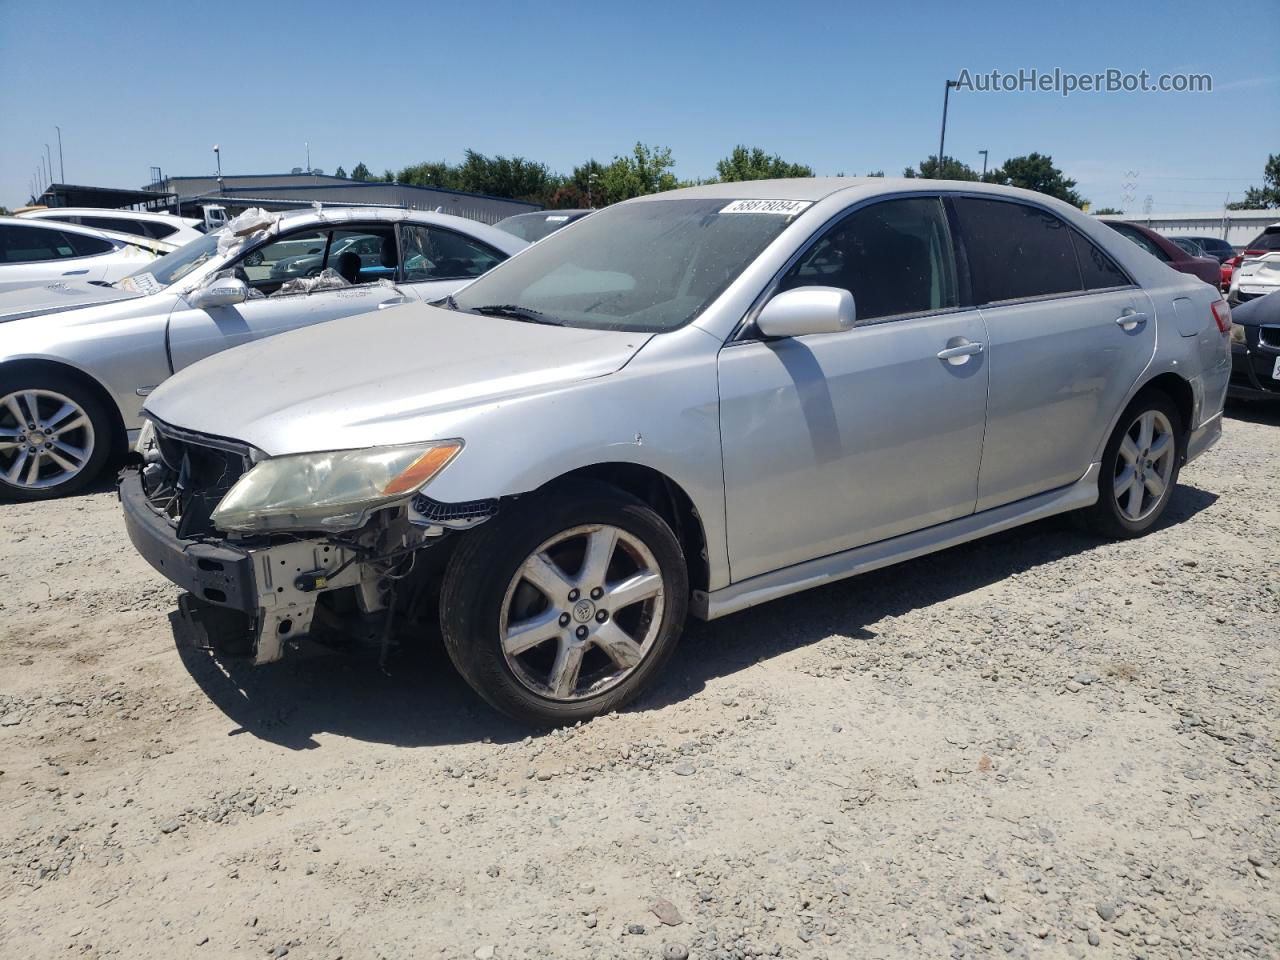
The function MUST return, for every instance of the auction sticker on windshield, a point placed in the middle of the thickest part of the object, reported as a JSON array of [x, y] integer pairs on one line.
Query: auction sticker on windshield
[[784, 208]]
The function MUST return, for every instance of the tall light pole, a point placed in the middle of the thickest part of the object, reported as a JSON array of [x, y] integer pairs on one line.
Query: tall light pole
[[48, 157], [942, 140], [984, 163], [308, 145], [62, 171], [217, 156]]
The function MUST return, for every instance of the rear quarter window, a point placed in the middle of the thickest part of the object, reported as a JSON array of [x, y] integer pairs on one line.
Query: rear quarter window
[[1016, 251]]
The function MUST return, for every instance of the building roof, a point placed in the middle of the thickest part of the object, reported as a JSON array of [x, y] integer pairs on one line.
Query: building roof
[[107, 198]]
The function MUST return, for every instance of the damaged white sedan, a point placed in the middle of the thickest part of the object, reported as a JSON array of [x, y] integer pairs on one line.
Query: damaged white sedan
[[78, 359]]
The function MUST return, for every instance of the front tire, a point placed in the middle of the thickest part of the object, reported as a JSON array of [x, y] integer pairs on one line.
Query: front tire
[[566, 607], [55, 436], [1140, 468]]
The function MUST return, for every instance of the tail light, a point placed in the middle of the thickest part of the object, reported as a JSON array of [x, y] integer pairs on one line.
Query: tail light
[[1221, 315]]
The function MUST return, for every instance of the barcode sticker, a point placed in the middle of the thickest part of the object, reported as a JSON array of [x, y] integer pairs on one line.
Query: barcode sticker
[[785, 208]]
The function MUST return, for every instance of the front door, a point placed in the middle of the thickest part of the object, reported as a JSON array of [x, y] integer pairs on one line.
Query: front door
[[293, 261], [836, 440]]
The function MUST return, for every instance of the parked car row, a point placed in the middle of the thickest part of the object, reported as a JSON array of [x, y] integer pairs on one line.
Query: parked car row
[[688, 403], [77, 360]]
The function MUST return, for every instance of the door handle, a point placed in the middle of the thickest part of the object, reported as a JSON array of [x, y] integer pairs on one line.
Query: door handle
[[1130, 319], [75, 273], [960, 353]]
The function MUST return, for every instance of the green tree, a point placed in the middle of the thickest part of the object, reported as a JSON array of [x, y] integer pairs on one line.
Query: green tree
[[645, 170], [1036, 172], [361, 172], [874, 173], [950, 169], [388, 176], [754, 164], [431, 174], [340, 173], [1107, 212], [1266, 196]]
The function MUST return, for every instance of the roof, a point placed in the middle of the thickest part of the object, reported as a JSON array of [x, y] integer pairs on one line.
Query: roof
[[111, 198], [42, 213], [813, 189], [338, 215]]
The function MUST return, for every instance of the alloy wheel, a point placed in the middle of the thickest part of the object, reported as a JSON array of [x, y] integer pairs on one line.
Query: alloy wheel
[[46, 439], [582, 612], [1144, 465]]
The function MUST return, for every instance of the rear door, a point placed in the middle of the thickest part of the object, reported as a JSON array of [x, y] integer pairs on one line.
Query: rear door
[[1069, 335], [298, 257]]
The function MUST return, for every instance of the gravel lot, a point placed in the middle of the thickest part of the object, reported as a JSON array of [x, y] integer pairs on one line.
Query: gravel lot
[[1037, 745]]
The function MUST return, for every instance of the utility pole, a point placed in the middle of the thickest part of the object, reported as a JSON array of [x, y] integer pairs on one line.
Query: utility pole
[[48, 158], [62, 171], [984, 163], [942, 140]]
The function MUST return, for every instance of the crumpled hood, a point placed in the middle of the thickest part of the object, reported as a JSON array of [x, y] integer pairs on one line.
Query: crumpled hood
[[398, 375], [56, 297]]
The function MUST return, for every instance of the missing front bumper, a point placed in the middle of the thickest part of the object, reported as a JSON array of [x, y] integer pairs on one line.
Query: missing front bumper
[[276, 585]]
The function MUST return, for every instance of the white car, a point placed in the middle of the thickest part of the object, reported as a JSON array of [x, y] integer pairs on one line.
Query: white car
[[77, 359], [157, 226], [33, 253], [1255, 277]]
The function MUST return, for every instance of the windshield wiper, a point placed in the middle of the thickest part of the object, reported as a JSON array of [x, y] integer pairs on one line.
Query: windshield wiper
[[516, 312]]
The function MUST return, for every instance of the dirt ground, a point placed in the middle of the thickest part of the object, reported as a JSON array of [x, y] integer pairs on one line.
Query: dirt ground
[[1037, 745]]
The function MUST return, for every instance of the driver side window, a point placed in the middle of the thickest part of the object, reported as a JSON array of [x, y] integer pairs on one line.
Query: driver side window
[[895, 257], [354, 255]]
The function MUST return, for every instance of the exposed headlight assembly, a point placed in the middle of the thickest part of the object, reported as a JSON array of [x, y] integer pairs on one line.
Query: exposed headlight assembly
[[1237, 333], [329, 491]]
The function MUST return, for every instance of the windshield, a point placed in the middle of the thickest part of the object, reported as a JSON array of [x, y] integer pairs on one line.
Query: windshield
[[646, 267], [1268, 240], [172, 267]]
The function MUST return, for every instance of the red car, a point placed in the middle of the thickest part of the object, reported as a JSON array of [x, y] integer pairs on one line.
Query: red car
[[1162, 248]]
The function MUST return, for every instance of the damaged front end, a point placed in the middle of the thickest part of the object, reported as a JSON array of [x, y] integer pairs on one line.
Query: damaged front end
[[277, 548]]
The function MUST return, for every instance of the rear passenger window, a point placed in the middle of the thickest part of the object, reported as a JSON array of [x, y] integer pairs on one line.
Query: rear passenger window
[[118, 224], [1098, 270], [88, 246], [895, 257], [1016, 251], [24, 244]]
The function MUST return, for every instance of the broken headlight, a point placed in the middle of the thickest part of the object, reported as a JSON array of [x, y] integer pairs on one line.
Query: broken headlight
[[329, 491]]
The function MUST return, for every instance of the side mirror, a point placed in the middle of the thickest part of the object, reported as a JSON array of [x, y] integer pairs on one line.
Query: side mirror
[[804, 310], [222, 292]]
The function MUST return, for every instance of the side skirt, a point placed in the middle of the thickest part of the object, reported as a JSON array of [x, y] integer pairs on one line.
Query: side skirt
[[873, 556]]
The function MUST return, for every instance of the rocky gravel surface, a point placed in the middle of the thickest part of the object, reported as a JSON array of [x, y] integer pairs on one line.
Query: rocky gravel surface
[[1035, 746]]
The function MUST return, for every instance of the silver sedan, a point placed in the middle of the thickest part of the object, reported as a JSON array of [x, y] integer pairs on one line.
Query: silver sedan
[[692, 402], [77, 360]]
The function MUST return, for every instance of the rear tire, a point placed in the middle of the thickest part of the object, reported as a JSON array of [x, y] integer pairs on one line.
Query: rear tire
[[55, 435], [1140, 468], [566, 606]]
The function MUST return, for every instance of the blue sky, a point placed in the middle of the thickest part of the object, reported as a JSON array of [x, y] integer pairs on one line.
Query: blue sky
[[844, 87]]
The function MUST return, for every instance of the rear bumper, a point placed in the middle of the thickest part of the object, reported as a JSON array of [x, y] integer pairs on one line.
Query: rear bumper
[[1204, 436], [217, 574]]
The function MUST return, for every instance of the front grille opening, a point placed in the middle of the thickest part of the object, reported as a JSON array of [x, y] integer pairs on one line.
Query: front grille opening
[[190, 478]]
